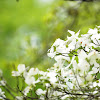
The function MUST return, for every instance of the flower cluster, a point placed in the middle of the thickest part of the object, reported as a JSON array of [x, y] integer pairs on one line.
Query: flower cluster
[[76, 73]]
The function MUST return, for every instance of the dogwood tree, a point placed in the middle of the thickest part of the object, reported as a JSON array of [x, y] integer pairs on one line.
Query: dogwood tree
[[74, 76]]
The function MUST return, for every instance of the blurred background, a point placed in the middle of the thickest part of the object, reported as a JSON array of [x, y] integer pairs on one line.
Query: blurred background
[[28, 28]]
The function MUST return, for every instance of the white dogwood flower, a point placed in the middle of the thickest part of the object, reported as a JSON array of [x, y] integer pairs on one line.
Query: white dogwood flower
[[21, 69], [2, 96], [40, 91]]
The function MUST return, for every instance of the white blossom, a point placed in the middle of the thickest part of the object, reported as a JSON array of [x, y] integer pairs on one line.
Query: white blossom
[[19, 97], [76, 68], [27, 89], [21, 69], [40, 92], [2, 96], [52, 77]]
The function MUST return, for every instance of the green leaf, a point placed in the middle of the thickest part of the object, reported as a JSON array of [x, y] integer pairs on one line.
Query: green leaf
[[98, 76], [76, 58], [98, 61], [54, 48]]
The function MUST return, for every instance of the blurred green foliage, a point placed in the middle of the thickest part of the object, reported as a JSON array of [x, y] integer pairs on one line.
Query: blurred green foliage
[[28, 28]]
